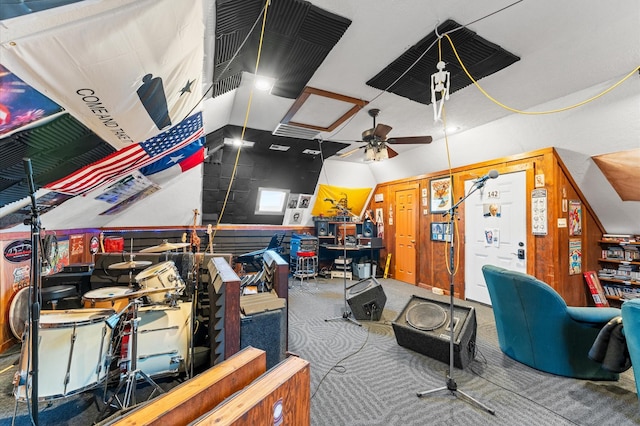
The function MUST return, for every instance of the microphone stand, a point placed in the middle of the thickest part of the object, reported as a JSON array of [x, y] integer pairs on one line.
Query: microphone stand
[[346, 312], [451, 385], [34, 297]]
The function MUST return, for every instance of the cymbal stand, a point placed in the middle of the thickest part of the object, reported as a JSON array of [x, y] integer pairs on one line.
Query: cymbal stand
[[130, 379], [451, 385]]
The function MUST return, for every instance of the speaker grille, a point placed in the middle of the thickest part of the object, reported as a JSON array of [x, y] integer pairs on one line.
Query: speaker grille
[[426, 316]]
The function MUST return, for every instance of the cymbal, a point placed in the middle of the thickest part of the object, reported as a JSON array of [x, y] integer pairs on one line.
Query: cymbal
[[165, 246], [132, 264]]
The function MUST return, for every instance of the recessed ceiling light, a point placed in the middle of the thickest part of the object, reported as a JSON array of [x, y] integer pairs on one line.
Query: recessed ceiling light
[[264, 84], [311, 152], [238, 142]]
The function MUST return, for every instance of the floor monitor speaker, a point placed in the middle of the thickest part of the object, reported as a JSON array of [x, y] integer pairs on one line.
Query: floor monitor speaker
[[366, 299], [423, 326]]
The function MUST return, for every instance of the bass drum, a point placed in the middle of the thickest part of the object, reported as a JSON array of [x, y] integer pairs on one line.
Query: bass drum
[[74, 347], [19, 312], [164, 338]]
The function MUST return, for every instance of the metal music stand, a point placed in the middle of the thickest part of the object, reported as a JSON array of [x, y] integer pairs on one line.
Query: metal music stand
[[346, 313], [451, 385]]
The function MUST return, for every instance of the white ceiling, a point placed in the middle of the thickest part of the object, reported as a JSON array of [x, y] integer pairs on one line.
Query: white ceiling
[[564, 47]]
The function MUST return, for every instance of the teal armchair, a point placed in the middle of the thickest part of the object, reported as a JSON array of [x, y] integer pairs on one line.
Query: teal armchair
[[631, 328], [537, 328]]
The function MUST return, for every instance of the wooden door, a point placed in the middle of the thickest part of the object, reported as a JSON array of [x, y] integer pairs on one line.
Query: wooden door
[[406, 234]]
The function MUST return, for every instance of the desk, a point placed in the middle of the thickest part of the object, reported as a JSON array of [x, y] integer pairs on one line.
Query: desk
[[331, 251]]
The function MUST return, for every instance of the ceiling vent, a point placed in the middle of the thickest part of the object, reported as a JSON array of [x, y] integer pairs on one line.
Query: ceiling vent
[[275, 147], [295, 132]]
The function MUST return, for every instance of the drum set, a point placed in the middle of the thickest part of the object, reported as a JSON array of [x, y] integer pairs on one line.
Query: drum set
[[134, 333]]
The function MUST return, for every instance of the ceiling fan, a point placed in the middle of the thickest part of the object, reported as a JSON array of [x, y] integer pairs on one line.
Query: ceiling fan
[[376, 148]]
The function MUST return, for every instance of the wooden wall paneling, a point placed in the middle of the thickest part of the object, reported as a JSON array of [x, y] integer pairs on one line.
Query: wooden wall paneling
[[547, 255]]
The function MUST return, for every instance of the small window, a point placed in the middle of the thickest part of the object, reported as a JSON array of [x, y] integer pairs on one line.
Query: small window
[[271, 201]]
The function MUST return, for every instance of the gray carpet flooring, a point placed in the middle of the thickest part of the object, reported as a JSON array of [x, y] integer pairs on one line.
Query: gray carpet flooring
[[361, 376]]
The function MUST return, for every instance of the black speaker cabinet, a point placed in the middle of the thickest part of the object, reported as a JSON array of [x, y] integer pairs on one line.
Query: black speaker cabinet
[[267, 331], [367, 229], [366, 299], [423, 326], [322, 228]]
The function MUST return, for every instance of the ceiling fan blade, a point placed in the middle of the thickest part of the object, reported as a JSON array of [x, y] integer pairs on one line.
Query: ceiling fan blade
[[381, 131], [411, 140], [392, 153]]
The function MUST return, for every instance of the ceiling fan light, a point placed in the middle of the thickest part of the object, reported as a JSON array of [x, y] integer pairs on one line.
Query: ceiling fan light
[[369, 154], [382, 154]]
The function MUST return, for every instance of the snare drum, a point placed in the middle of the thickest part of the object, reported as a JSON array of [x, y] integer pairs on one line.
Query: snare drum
[[156, 277], [73, 348], [107, 298]]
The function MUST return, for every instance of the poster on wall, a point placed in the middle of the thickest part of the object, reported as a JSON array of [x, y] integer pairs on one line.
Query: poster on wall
[[16, 265], [380, 222], [575, 218], [575, 257], [76, 248], [292, 203]]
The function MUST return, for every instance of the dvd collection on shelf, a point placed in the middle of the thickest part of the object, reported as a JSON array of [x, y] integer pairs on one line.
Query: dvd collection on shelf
[[620, 271]]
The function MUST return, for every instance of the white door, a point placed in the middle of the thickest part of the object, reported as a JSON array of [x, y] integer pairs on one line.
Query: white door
[[495, 230]]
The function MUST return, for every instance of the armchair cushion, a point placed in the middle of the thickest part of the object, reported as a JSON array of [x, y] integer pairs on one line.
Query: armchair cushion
[[631, 328], [537, 328]]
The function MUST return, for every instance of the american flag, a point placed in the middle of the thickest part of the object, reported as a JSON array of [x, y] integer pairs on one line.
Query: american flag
[[131, 158]]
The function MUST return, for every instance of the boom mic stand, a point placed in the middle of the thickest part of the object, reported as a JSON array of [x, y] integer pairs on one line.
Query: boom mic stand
[[451, 385], [34, 313], [346, 312]]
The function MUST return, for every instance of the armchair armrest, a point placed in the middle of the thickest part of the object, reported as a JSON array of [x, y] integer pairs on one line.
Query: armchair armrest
[[592, 315]]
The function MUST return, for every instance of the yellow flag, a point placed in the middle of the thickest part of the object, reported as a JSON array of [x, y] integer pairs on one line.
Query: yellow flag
[[331, 200]]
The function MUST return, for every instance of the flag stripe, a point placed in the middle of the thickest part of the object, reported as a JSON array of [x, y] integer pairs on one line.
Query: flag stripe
[[131, 158]]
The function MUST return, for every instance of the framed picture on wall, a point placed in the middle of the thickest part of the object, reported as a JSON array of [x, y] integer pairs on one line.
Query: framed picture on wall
[[440, 231], [441, 194]]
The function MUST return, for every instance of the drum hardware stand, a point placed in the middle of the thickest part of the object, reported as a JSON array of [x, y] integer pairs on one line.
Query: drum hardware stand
[[34, 312], [451, 385], [130, 379], [194, 306], [346, 312]]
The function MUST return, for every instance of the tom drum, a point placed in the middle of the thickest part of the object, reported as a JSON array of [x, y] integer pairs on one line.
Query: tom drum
[[107, 297], [161, 276]]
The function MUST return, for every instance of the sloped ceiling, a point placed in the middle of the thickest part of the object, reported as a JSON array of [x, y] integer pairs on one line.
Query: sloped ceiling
[[622, 170]]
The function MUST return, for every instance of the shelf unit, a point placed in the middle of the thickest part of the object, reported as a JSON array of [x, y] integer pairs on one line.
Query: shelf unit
[[362, 233], [619, 271]]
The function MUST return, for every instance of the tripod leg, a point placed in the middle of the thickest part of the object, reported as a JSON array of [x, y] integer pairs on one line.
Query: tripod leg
[[474, 401]]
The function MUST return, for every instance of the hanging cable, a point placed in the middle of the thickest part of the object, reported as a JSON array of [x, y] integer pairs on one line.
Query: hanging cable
[[246, 120], [553, 111]]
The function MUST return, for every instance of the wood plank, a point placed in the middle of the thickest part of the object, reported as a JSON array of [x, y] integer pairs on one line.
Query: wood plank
[[280, 396], [193, 398]]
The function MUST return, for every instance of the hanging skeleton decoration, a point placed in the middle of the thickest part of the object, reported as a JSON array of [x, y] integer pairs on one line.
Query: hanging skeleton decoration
[[439, 84]]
